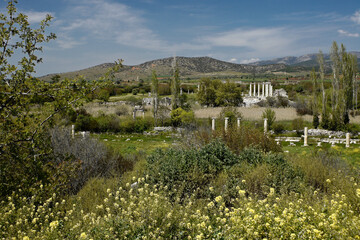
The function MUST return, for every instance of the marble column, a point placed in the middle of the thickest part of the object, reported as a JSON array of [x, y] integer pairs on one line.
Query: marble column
[[271, 90], [258, 90], [263, 89], [238, 122], [226, 123], [306, 137], [254, 89], [347, 140], [73, 131], [266, 90], [213, 124], [265, 125], [250, 91]]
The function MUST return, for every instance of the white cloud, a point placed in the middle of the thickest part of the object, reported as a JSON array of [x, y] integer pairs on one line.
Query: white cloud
[[257, 40], [66, 42], [111, 21], [251, 60], [347, 34], [233, 60], [356, 17], [36, 17]]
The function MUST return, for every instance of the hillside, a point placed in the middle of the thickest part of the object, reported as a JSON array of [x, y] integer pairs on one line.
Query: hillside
[[308, 60], [189, 66]]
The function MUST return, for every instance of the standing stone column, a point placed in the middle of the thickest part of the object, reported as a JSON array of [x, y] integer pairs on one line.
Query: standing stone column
[[306, 137], [250, 91], [258, 90], [265, 125], [73, 131], [263, 89], [347, 140], [226, 123], [266, 90], [213, 124], [271, 90], [254, 89], [238, 122]]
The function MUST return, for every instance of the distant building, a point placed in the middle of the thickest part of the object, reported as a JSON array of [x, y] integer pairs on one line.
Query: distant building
[[280, 93], [166, 101]]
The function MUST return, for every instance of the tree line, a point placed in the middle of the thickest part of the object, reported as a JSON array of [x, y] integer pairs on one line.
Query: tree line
[[335, 104]]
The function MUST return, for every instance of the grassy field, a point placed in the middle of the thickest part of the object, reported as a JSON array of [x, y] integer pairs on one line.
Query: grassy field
[[134, 143]]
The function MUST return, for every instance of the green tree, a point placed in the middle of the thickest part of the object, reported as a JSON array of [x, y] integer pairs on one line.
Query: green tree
[[315, 99], [155, 94], [228, 95], [175, 89], [207, 93], [103, 95], [324, 113], [270, 115], [25, 154]]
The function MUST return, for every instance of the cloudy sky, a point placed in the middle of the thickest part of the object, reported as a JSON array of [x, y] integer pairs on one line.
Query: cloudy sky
[[91, 32]]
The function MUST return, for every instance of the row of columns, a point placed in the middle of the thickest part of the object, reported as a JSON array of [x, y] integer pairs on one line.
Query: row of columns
[[347, 142], [264, 89], [226, 123]]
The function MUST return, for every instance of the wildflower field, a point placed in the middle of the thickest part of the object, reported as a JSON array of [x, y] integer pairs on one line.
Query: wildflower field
[[207, 191]]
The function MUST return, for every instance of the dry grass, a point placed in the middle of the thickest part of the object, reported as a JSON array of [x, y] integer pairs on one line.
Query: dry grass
[[255, 113]]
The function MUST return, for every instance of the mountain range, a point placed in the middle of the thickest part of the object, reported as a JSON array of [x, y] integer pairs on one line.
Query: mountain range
[[196, 67]]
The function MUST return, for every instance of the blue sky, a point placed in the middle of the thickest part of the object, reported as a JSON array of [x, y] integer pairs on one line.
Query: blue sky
[[92, 32]]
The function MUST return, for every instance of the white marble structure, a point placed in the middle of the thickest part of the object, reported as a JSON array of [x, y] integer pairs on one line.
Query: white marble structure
[[261, 90]]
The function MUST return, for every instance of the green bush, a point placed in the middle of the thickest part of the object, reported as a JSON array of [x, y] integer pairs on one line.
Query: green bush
[[190, 169], [108, 123], [278, 128], [180, 117], [138, 125], [86, 123]]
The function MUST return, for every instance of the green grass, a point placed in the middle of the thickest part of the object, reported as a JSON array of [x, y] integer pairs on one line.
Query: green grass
[[351, 155], [136, 142]]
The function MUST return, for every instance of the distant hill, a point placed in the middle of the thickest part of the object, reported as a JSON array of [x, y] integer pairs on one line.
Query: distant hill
[[308, 60], [189, 66]]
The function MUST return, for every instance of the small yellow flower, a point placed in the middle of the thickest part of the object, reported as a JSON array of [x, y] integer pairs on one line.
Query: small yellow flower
[[83, 236], [328, 180], [358, 192], [218, 199], [26, 238]]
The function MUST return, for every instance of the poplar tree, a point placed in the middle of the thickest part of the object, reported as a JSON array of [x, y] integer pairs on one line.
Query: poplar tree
[[175, 89], [324, 113], [315, 102], [155, 94]]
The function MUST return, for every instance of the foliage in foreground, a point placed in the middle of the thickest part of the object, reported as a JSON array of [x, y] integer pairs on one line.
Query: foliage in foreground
[[147, 212], [245, 195]]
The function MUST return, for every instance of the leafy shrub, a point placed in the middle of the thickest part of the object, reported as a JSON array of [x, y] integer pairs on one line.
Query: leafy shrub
[[298, 125], [181, 117], [95, 159], [302, 107], [122, 110], [108, 123], [278, 128], [138, 125], [237, 139], [192, 168], [86, 123]]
